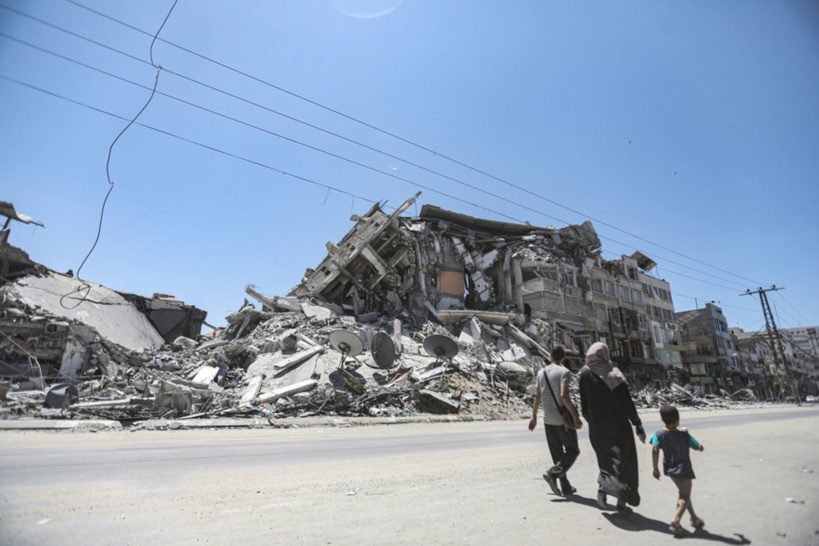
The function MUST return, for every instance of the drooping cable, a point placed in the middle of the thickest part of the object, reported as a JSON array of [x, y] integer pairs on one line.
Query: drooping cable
[[85, 286], [250, 161], [371, 148], [189, 141], [410, 142], [261, 129]]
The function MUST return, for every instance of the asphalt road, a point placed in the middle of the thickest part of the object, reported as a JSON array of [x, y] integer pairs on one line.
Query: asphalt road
[[464, 483]]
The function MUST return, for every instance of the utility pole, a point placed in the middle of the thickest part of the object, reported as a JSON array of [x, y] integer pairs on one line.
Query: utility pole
[[774, 338]]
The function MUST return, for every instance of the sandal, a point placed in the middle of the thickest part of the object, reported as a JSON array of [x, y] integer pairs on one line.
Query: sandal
[[677, 530], [697, 523], [624, 509], [551, 481]]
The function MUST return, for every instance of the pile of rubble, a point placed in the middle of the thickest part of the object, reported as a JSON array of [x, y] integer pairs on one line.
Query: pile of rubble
[[276, 363], [676, 395], [405, 316]]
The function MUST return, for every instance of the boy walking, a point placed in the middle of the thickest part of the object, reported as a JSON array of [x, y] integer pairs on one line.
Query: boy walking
[[552, 390], [675, 444]]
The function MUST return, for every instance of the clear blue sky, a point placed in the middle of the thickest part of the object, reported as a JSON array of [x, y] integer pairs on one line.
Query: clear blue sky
[[693, 125]]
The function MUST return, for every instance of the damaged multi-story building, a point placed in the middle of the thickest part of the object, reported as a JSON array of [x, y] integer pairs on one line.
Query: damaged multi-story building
[[709, 353], [553, 282]]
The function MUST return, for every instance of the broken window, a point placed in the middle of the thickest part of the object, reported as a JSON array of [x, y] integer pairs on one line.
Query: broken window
[[543, 272], [597, 285], [608, 289], [623, 292], [567, 277], [636, 296], [631, 272]]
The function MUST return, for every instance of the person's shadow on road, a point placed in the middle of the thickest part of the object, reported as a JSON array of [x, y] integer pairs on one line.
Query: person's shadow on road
[[638, 522]]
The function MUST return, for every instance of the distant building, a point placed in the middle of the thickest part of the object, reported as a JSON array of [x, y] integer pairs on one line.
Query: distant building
[[709, 354], [797, 359]]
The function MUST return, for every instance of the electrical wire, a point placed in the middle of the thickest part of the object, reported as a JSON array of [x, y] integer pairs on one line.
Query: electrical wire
[[227, 67], [85, 286], [235, 156], [410, 142], [791, 318], [151, 49], [678, 295], [339, 136], [779, 293], [385, 173], [205, 146], [350, 140]]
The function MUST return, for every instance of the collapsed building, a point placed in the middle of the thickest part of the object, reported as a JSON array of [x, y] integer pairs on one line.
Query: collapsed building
[[449, 267], [439, 313]]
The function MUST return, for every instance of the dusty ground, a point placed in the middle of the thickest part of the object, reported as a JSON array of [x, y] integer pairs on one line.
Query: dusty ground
[[486, 495]]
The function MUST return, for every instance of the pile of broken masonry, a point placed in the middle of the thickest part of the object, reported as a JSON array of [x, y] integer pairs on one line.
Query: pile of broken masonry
[[371, 332]]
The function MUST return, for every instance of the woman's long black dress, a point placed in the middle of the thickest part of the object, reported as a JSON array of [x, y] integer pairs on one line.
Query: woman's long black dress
[[610, 414]]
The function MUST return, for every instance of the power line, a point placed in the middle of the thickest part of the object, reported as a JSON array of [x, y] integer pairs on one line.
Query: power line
[[229, 154], [86, 286], [412, 143], [272, 133], [207, 147], [681, 265], [352, 141], [747, 328], [678, 295], [319, 149], [792, 307]]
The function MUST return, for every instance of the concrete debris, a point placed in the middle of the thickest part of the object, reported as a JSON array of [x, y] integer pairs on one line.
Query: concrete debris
[[75, 350]]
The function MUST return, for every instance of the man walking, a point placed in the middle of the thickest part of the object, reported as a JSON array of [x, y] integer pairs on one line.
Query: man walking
[[562, 441]]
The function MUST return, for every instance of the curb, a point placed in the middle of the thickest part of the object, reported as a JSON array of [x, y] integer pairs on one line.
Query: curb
[[54, 424], [198, 424]]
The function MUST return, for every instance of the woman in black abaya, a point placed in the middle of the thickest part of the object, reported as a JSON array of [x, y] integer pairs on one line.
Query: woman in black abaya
[[607, 406]]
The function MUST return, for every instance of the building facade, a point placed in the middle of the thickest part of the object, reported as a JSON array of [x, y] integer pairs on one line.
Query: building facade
[[709, 355]]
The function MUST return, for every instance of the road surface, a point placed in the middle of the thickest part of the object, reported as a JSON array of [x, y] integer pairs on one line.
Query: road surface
[[454, 483]]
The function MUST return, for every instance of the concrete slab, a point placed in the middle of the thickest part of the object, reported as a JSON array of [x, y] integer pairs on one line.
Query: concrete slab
[[103, 309]]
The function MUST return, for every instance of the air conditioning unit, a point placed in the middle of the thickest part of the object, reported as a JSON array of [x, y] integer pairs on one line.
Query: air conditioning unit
[[670, 326]]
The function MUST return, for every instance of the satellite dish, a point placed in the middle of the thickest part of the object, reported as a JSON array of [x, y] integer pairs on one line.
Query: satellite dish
[[346, 342], [383, 350], [442, 347]]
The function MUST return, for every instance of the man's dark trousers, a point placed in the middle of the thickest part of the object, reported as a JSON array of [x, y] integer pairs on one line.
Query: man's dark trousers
[[563, 447]]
